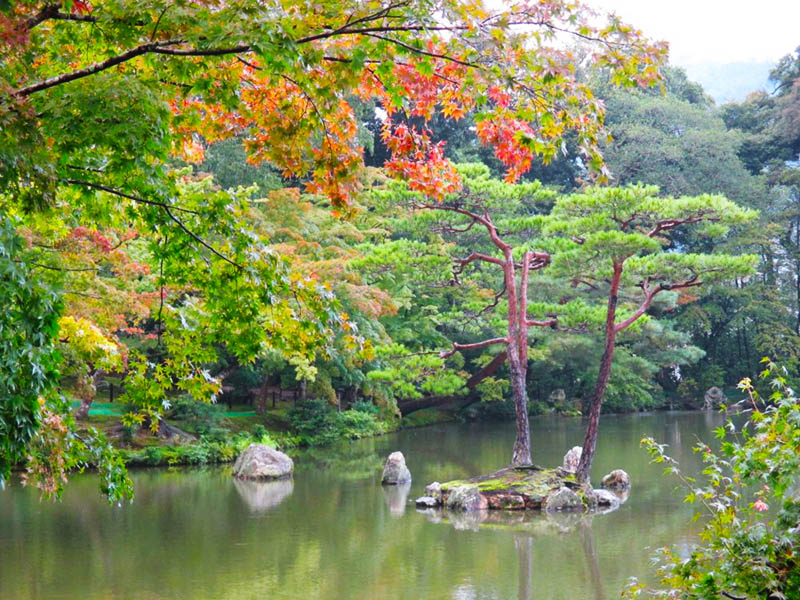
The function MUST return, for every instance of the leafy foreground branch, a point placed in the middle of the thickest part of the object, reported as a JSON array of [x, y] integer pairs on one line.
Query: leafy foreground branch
[[750, 496]]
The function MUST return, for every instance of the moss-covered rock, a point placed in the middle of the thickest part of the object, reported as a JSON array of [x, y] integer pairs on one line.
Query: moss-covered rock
[[523, 488]]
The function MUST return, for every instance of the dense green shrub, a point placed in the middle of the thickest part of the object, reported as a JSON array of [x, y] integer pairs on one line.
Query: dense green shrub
[[316, 422], [365, 407], [492, 410], [354, 424], [205, 452], [201, 418], [258, 432]]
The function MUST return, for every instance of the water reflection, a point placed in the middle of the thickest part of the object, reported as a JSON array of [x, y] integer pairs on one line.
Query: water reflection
[[396, 497], [590, 555], [529, 522], [334, 533], [261, 496], [524, 547]]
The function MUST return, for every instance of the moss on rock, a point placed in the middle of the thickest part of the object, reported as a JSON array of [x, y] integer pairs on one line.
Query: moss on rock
[[520, 488]]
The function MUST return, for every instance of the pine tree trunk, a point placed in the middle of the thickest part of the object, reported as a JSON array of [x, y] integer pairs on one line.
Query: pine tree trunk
[[596, 403], [521, 455], [517, 351]]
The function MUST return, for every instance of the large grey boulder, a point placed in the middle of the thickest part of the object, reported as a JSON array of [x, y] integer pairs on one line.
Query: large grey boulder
[[572, 458], [466, 498], [395, 470], [262, 462], [563, 499], [616, 480]]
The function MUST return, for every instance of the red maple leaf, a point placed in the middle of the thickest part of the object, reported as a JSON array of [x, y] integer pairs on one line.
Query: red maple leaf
[[79, 6]]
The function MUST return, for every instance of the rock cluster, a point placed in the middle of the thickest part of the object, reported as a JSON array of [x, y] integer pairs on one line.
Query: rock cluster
[[529, 488], [510, 489]]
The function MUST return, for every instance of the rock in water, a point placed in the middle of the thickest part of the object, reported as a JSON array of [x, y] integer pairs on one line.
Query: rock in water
[[563, 499], [434, 490], [428, 501], [395, 471], [606, 499], [466, 498], [616, 480], [557, 397], [262, 462], [714, 396], [572, 458]]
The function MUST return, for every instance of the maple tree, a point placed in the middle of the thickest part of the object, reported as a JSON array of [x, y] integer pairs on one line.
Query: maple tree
[[28, 324], [191, 74]]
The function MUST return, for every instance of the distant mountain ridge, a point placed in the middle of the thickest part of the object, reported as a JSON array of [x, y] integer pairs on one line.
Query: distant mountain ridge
[[730, 82]]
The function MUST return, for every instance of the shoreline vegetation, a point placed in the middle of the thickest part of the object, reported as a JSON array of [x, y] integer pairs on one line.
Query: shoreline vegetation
[[218, 437], [206, 434]]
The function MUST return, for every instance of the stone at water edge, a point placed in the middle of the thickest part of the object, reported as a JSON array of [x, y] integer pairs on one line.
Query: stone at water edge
[[434, 490], [432, 497], [604, 498], [395, 470], [616, 480], [572, 458], [428, 501], [713, 397], [563, 499], [466, 498], [262, 462]]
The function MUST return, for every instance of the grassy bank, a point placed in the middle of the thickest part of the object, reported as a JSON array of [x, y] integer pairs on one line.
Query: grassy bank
[[212, 434]]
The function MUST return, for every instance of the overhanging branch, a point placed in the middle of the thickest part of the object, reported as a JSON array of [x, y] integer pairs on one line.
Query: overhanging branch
[[163, 206], [475, 346], [651, 293]]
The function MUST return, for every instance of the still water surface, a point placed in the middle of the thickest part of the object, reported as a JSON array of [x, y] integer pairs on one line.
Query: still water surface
[[334, 533]]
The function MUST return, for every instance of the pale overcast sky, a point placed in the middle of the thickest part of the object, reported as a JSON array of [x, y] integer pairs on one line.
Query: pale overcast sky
[[723, 31]]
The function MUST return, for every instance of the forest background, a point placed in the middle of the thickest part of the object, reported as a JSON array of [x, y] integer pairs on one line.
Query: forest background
[[679, 141]]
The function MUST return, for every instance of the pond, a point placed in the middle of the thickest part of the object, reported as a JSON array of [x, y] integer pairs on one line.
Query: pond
[[333, 532]]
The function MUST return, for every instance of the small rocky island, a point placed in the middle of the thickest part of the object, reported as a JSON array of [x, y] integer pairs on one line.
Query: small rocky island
[[528, 488]]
